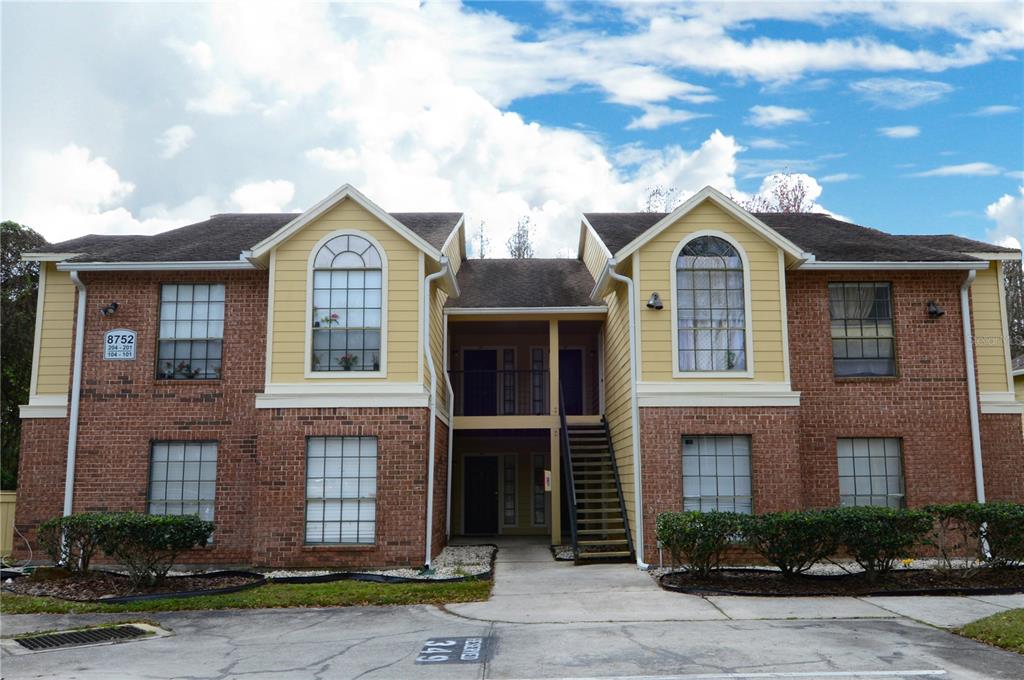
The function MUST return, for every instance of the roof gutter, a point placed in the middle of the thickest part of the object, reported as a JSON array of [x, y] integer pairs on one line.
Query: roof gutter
[[972, 391], [76, 391], [155, 266], [610, 273], [876, 265], [445, 271]]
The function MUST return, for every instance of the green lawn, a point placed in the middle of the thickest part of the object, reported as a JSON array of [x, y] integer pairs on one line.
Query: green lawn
[[1004, 630], [336, 594]]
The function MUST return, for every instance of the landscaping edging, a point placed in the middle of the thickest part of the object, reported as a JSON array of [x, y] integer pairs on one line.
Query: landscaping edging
[[718, 590]]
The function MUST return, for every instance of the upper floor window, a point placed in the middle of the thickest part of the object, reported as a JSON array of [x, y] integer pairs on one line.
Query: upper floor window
[[862, 330], [347, 305], [711, 319], [191, 331]]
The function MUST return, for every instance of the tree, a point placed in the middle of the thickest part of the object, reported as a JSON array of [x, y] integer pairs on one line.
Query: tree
[[1014, 280], [19, 284], [519, 244], [786, 193], [661, 198], [482, 242]]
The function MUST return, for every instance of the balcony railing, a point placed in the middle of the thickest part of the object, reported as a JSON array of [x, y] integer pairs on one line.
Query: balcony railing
[[500, 393]]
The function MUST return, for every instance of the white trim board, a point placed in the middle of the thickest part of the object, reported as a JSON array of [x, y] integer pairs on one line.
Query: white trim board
[[594, 309], [301, 395], [719, 393], [198, 265], [45, 406], [1000, 402], [875, 265]]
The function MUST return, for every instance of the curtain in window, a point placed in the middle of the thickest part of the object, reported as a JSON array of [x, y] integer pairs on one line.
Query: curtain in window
[[710, 307]]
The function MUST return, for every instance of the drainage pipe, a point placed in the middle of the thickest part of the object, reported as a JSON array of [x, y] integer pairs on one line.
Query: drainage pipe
[[972, 391], [76, 391], [432, 402], [634, 415]]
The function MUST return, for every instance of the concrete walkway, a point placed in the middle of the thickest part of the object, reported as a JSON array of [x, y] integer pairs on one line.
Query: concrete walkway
[[531, 587]]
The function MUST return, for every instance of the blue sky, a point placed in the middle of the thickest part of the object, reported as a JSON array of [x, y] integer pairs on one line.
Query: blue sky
[[139, 118]]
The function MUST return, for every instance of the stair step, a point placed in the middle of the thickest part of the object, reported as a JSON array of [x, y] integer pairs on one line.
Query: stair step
[[596, 511], [606, 532], [598, 554], [612, 541], [600, 521]]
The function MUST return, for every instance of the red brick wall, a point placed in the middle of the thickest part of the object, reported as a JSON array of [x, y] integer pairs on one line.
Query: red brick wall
[[1002, 446], [775, 460], [439, 537], [260, 491]]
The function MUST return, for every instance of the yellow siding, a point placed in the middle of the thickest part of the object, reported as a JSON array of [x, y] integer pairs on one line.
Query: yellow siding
[[657, 274], [618, 395], [990, 347], [437, 301], [594, 255], [56, 335], [291, 308], [453, 251]]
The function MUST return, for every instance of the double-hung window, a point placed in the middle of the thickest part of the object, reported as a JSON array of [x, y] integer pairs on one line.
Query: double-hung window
[[716, 473], [191, 331], [182, 478], [711, 319], [862, 329], [347, 306], [870, 471], [341, 489]]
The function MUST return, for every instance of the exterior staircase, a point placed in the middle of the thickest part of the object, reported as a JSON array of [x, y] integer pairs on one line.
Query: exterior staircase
[[601, 527]]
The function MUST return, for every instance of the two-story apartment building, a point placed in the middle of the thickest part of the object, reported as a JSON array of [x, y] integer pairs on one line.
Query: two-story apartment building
[[344, 387]]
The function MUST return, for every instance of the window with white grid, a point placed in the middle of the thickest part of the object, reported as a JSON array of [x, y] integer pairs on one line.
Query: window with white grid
[[509, 491], [182, 478], [862, 329], [871, 471], [191, 331], [341, 489], [716, 473]]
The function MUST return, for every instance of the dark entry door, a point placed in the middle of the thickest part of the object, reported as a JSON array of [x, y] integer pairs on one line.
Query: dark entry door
[[570, 376], [480, 382], [481, 495]]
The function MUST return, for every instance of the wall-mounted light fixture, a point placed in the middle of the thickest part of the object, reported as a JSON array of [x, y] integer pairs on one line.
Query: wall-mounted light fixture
[[655, 302], [109, 309], [934, 311]]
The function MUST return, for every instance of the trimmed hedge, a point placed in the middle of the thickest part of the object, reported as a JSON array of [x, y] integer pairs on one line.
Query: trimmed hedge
[[145, 545], [875, 537]]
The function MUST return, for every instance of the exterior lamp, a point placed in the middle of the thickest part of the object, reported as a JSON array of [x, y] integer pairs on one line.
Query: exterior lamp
[[109, 309], [655, 302], [934, 311]]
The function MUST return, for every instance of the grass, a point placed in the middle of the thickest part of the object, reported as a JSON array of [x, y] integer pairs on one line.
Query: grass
[[336, 594], [1005, 630]]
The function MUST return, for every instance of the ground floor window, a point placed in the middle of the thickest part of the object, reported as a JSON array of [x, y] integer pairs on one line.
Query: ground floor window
[[509, 491], [341, 489], [182, 478], [871, 471], [540, 500], [716, 473]]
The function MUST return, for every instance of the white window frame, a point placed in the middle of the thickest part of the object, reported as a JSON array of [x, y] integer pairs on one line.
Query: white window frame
[[341, 498], [181, 501], [307, 357], [700, 497], [901, 473], [514, 457], [748, 335]]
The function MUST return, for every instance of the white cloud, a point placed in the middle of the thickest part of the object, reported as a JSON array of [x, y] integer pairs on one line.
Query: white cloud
[[995, 110], [766, 143], [839, 177], [197, 54], [174, 140], [268, 196], [1008, 214], [221, 99], [900, 93], [900, 131], [976, 169], [772, 116], [655, 116]]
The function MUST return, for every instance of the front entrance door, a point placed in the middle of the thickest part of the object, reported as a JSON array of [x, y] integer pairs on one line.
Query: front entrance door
[[480, 495], [570, 377], [480, 382]]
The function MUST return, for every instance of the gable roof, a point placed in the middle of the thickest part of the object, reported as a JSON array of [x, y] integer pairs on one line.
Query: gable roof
[[828, 239], [519, 283], [221, 238]]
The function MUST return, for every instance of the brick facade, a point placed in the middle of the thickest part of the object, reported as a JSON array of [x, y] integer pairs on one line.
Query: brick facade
[[260, 486], [794, 461]]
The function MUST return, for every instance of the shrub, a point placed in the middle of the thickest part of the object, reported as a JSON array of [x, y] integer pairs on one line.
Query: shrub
[[146, 545], [81, 537], [955, 533], [877, 537], [1001, 525], [792, 541], [698, 539]]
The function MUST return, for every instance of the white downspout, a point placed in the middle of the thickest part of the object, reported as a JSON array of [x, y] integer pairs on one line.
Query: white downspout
[[76, 390], [638, 539], [972, 391], [432, 401], [451, 433]]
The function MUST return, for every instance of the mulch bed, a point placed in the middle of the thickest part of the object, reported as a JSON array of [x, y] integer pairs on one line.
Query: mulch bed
[[108, 586], [765, 582]]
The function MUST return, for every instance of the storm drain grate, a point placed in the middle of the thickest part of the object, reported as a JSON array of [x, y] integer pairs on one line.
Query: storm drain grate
[[81, 637]]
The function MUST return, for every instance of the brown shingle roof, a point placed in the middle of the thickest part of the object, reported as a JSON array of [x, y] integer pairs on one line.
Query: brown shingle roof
[[221, 238], [523, 283], [828, 238]]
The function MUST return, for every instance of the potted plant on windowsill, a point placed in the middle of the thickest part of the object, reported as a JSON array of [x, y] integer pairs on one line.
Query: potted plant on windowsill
[[376, 362], [347, 361]]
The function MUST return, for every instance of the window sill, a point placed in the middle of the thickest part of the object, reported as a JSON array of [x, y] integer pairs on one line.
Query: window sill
[[354, 547], [865, 378]]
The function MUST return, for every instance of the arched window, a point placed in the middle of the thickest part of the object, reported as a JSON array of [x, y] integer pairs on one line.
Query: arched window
[[347, 305], [710, 307]]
